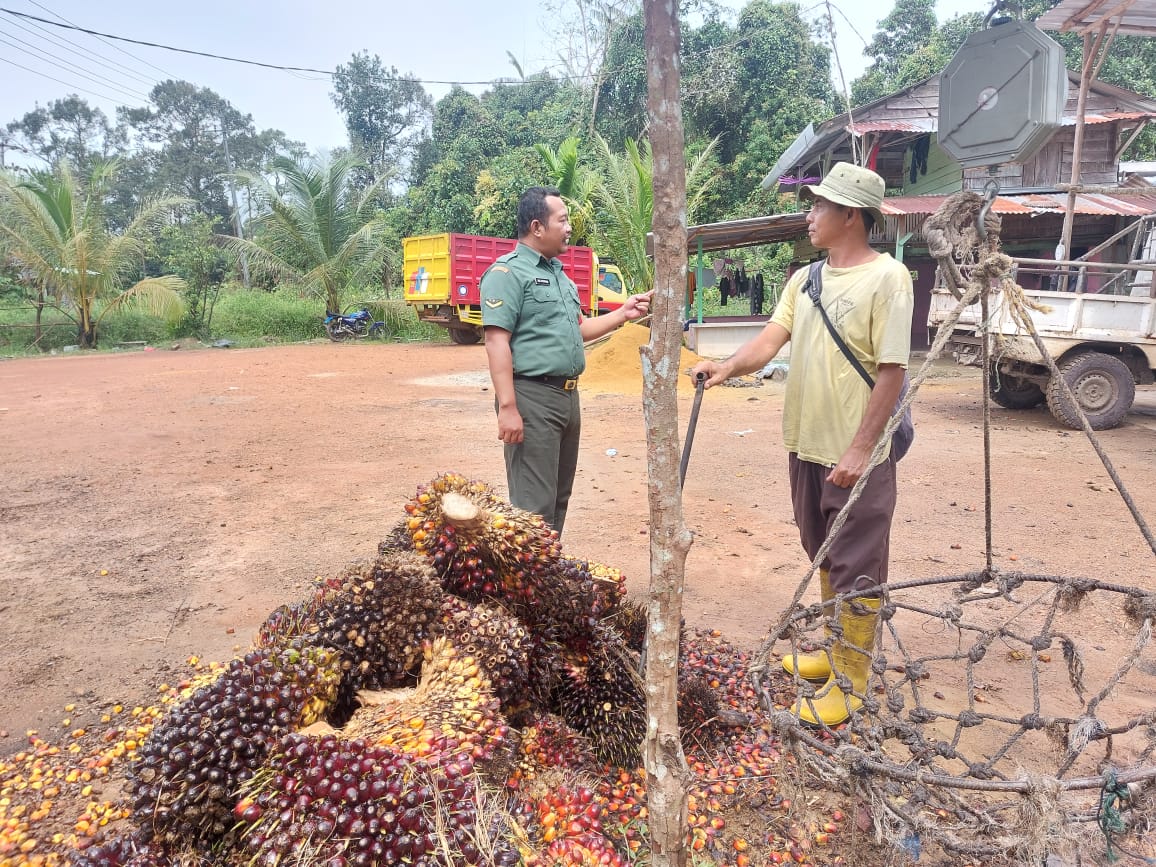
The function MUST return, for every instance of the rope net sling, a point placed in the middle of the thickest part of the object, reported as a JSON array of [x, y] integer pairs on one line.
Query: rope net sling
[[1037, 766]]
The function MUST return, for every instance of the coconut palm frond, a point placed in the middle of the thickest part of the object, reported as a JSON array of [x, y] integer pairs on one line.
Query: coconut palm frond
[[318, 227], [699, 180], [157, 296]]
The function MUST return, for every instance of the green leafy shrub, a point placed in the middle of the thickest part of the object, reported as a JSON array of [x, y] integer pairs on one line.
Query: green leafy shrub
[[253, 316]]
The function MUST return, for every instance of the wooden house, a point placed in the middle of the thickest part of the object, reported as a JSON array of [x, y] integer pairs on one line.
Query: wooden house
[[896, 136]]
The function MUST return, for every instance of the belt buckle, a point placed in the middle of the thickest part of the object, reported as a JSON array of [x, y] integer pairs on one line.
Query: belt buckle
[[570, 384]]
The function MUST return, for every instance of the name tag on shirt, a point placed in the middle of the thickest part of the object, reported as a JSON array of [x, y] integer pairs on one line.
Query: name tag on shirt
[[541, 281]]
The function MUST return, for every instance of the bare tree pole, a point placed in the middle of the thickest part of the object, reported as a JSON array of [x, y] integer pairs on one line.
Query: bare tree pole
[[667, 775]]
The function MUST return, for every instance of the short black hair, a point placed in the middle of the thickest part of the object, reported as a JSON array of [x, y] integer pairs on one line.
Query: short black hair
[[532, 206], [868, 220]]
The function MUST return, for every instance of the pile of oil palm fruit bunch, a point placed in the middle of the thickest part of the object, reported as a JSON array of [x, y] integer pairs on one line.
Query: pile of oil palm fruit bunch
[[471, 696]]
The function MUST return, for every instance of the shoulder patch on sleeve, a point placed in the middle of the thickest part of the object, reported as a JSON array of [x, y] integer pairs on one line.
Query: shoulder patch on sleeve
[[501, 268], [493, 303]]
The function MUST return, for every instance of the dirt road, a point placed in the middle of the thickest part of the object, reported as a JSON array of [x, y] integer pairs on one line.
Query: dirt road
[[159, 504]]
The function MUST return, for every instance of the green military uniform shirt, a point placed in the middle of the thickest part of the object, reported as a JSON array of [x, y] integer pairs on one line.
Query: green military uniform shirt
[[529, 295]]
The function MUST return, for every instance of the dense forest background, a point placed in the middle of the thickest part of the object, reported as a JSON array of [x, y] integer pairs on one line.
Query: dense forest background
[[329, 225]]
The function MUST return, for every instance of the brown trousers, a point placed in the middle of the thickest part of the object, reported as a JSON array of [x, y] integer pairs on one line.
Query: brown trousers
[[858, 556]]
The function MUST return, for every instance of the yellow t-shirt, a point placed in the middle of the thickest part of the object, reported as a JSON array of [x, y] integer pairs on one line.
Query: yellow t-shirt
[[870, 306]]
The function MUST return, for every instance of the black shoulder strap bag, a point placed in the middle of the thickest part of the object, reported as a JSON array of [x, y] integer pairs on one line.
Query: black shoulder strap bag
[[905, 433]]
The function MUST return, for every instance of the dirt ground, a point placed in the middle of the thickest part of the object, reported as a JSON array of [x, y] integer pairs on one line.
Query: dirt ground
[[159, 504]]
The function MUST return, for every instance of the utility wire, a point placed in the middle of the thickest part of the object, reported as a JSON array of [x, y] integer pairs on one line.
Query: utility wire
[[63, 41], [105, 41], [72, 68], [57, 80]]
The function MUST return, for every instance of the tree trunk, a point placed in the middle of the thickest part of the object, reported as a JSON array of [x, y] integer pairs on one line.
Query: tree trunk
[[666, 770], [86, 329], [39, 317]]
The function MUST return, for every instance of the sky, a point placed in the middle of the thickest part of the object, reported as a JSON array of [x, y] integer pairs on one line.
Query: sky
[[437, 41]]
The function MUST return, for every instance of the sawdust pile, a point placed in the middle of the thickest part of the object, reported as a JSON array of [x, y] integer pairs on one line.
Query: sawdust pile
[[615, 365]]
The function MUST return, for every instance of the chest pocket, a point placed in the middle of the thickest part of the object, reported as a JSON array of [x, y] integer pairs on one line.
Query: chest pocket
[[547, 293]]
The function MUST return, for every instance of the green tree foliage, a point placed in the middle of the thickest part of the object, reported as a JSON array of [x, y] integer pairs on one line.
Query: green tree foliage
[[58, 234], [465, 139], [910, 46], [66, 129], [190, 249], [623, 202], [318, 228], [386, 113], [574, 181], [187, 130]]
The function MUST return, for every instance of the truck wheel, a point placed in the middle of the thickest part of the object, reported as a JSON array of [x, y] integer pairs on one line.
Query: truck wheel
[[465, 336], [1102, 384], [1011, 392]]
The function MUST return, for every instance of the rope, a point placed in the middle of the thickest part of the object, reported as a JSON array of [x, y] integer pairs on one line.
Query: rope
[[915, 759]]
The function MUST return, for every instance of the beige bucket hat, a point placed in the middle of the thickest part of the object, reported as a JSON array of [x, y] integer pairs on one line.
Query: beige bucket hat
[[852, 187]]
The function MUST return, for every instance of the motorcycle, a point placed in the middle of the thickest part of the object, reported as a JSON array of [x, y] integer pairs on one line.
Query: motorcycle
[[353, 326]]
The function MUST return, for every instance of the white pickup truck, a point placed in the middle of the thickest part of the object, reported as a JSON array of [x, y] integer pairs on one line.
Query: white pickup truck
[[1103, 342]]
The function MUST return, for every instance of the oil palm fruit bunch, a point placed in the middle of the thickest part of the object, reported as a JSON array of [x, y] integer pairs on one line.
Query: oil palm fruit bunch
[[453, 712], [698, 710], [609, 588], [550, 754], [498, 643], [188, 768], [601, 697], [567, 823], [331, 800], [628, 619], [126, 851], [287, 622], [485, 548], [377, 614]]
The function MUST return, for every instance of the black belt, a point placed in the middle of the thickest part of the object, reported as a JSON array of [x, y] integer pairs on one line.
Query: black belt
[[565, 383]]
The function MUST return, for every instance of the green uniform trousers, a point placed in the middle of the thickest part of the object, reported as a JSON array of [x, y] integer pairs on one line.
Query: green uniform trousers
[[540, 469]]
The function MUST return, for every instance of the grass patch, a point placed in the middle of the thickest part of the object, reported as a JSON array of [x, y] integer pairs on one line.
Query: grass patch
[[246, 317]]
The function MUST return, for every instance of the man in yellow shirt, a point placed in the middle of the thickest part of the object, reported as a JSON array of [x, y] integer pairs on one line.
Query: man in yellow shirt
[[832, 419]]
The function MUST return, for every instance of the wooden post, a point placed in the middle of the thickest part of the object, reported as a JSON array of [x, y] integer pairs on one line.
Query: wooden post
[[666, 770]]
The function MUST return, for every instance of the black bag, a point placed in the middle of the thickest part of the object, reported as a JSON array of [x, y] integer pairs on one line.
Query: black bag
[[904, 434]]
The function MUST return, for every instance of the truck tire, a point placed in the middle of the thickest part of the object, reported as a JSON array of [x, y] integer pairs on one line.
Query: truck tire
[[465, 336], [1102, 384], [1011, 392]]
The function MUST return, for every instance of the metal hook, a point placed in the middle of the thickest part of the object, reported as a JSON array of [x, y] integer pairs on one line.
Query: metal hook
[[990, 191], [1012, 6]]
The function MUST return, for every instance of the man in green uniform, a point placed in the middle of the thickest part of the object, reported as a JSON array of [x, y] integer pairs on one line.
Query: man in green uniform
[[534, 335], [832, 420]]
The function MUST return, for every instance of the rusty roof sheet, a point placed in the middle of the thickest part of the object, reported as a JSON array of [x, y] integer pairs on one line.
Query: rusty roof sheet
[[927, 124], [1134, 17], [1033, 203], [733, 234], [1110, 117]]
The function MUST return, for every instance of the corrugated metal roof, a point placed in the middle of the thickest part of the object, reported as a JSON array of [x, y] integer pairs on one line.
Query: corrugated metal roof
[[734, 234], [1109, 117], [1137, 17], [1033, 203], [927, 124]]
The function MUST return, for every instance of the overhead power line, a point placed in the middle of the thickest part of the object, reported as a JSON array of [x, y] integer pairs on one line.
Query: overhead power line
[[105, 41], [108, 63], [69, 67], [58, 80]]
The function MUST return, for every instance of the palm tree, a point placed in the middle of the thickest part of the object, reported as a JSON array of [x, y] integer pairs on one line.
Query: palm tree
[[576, 184], [623, 200], [58, 234], [317, 226]]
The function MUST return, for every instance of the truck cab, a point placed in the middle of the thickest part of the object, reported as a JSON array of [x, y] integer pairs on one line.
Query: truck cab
[[611, 290]]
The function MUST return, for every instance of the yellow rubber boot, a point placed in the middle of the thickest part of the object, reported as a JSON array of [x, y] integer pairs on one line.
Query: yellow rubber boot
[[815, 666], [851, 657]]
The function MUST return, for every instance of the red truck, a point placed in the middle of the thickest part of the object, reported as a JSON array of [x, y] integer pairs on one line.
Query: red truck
[[443, 275]]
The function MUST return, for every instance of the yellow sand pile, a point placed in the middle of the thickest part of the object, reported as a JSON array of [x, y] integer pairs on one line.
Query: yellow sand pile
[[615, 365]]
